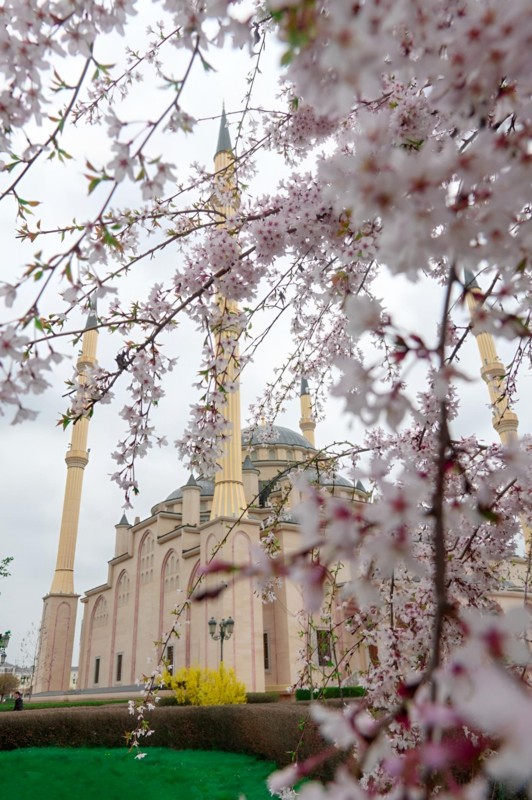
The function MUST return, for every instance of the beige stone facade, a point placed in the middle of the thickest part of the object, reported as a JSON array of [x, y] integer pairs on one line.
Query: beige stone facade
[[158, 560]]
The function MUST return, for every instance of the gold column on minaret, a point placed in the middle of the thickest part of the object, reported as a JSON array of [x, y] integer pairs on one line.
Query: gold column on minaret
[[493, 373], [56, 642], [229, 497], [307, 423], [505, 421], [76, 459]]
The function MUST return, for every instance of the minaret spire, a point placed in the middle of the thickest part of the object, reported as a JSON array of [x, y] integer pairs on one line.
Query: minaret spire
[[492, 371], [60, 605], [505, 421], [224, 140], [229, 498], [307, 423]]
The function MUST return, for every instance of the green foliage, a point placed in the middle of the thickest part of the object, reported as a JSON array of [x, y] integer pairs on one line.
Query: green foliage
[[262, 697], [4, 563], [167, 700], [330, 692], [98, 773], [206, 687], [29, 706]]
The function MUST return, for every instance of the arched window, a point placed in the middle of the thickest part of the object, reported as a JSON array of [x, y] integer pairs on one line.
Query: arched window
[[101, 615], [171, 573], [147, 559], [123, 590]]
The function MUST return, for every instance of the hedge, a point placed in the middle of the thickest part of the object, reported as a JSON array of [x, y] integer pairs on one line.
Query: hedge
[[274, 734], [262, 697], [331, 692]]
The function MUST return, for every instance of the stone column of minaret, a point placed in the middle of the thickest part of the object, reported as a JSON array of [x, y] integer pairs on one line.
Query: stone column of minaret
[[229, 497], [230, 534], [307, 423], [505, 421], [56, 643]]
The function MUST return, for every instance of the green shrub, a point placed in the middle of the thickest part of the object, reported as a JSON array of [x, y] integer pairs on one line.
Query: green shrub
[[262, 697], [206, 687], [330, 692], [167, 700]]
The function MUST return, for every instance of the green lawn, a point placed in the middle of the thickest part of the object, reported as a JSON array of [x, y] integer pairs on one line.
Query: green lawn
[[99, 774], [29, 705]]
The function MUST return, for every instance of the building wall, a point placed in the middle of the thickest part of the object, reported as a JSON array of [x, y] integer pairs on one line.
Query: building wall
[[127, 619]]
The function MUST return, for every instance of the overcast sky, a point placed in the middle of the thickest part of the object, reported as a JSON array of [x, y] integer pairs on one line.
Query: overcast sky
[[32, 468]]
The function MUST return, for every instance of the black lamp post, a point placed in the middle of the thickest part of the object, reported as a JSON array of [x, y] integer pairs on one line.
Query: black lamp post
[[4, 641], [225, 627]]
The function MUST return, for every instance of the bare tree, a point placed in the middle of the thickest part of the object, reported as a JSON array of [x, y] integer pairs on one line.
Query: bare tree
[[8, 684]]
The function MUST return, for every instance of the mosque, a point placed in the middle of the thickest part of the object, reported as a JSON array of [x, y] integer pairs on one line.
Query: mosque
[[156, 565], [158, 561]]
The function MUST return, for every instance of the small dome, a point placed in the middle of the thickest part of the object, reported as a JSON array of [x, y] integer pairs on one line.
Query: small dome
[[205, 484], [328, 479], [263, 435]]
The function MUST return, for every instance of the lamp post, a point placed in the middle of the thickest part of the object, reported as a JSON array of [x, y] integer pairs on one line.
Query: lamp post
[[4, 641], [225, 627]]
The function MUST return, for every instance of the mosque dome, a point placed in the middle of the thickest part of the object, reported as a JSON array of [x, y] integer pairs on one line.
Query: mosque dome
[[264, 435], [328, 479], [206, 489], [252, 437]]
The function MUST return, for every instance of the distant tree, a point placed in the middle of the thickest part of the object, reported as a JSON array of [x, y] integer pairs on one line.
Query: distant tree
[[4, 573], [4, 563], [8, 684], [29, 647]]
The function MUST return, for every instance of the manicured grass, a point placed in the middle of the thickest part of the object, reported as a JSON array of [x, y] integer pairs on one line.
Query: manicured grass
[[103, 774], [28, 706], [168, 700]]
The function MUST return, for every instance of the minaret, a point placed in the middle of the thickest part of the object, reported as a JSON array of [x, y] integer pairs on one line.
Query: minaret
[[229, 498], [307, 423], [60, 605], [505, 420], [492, 371]]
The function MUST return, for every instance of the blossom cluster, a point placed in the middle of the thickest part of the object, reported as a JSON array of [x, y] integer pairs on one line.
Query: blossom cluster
[[404, 131]]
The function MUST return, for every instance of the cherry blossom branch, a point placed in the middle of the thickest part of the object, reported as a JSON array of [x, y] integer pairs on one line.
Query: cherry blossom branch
[[53, 136], [112, 84]]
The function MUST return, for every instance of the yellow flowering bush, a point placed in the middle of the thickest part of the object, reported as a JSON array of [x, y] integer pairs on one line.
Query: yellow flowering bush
[[206, 687]]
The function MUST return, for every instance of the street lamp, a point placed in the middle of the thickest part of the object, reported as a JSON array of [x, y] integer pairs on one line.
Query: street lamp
[[4, 641], [226, 628]]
